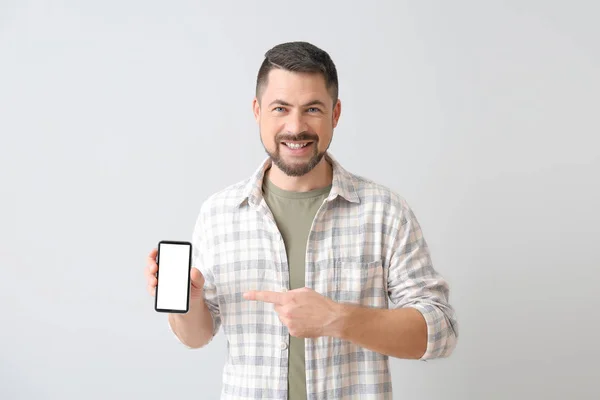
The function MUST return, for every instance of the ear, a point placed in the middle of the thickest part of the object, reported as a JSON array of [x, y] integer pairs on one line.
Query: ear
[[337, 110], [256, 109]]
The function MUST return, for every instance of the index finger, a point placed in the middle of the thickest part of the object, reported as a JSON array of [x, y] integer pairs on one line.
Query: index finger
[[266, 296], [152, 255], [151, 261]]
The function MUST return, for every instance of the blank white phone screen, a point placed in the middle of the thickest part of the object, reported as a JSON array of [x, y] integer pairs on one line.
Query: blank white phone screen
[[173, 269]]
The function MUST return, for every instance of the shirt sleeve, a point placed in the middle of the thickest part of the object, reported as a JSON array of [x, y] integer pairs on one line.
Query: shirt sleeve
[[413, 282]]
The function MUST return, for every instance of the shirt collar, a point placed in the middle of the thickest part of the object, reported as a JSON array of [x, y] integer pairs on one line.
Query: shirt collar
[[342, 184]]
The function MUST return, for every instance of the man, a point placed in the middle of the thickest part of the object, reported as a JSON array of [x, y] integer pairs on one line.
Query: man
[[317, 275]]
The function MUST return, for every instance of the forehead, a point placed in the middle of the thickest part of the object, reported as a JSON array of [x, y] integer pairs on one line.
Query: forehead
[[298, 86]]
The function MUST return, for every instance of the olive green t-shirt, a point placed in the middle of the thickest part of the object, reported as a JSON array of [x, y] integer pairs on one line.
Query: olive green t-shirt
[[294, 213]]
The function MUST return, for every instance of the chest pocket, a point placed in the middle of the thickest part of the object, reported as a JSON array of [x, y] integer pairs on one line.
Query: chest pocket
[[360, 283]]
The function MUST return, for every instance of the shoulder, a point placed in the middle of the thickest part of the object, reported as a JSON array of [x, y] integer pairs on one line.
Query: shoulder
[[218, 209], [373, 194], [218, 205]]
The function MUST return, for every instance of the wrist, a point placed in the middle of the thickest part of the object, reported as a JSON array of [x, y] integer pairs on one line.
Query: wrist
[[340, 320]]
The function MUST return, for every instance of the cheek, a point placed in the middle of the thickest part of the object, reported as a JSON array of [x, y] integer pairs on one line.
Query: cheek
[[268, 131], [325, 131], [269, 127]]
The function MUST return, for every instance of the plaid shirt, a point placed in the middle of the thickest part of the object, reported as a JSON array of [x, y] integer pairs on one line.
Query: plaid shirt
[[365, 247]]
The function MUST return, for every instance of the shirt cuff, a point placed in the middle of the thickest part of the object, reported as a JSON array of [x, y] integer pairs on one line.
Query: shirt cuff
[[441, 338]]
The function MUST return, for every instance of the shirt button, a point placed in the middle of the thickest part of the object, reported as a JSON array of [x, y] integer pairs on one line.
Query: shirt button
[[284, 345]]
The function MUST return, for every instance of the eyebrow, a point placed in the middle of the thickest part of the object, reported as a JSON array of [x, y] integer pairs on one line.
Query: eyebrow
[[310, 103]]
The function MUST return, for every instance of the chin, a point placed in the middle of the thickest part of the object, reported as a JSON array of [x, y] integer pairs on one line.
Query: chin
[[297, 168]]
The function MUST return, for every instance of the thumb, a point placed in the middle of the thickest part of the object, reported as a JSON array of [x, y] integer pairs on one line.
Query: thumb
[[197, 278]]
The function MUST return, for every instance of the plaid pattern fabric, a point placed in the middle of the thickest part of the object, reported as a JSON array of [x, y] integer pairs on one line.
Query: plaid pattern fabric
[[365, 247]]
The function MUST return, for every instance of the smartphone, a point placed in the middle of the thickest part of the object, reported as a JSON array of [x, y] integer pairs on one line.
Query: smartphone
[[174, 260]]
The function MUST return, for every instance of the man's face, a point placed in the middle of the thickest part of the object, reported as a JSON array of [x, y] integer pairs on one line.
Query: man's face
[[296, 119]]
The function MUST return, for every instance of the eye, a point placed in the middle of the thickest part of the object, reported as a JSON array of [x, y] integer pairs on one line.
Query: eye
[[314, 109], [279, 109]]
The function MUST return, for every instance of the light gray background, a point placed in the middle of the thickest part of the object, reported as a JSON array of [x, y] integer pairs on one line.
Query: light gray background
[[118, 118]]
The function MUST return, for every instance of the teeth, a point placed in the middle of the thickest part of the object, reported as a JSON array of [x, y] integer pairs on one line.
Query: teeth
[[295, 145]]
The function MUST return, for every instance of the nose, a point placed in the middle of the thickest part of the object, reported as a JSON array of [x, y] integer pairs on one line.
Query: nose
[[295, 123]]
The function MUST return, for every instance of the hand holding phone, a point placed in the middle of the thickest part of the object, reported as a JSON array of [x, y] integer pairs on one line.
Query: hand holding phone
[[171, 278]]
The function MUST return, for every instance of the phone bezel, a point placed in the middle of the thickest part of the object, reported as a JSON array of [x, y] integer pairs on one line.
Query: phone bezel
[[187, 305]]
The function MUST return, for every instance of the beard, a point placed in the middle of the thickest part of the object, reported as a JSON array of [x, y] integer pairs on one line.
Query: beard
[[296, 168]]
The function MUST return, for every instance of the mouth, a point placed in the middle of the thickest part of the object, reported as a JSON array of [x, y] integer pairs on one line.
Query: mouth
[[297, 145]]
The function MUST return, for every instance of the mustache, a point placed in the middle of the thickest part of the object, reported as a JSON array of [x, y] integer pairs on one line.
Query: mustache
[[283, 137]]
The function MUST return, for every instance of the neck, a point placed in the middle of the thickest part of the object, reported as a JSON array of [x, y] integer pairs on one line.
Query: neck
[[319, 177]]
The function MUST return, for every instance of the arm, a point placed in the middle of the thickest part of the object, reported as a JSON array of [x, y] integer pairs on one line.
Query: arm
[[421, 324], [203, 320], [194, 329], [405, 330]]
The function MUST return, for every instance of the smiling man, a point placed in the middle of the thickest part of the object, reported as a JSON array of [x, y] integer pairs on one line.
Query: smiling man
[[316, 275]]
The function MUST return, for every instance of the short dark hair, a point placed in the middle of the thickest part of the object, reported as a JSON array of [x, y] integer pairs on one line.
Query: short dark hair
[[298, 57]]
